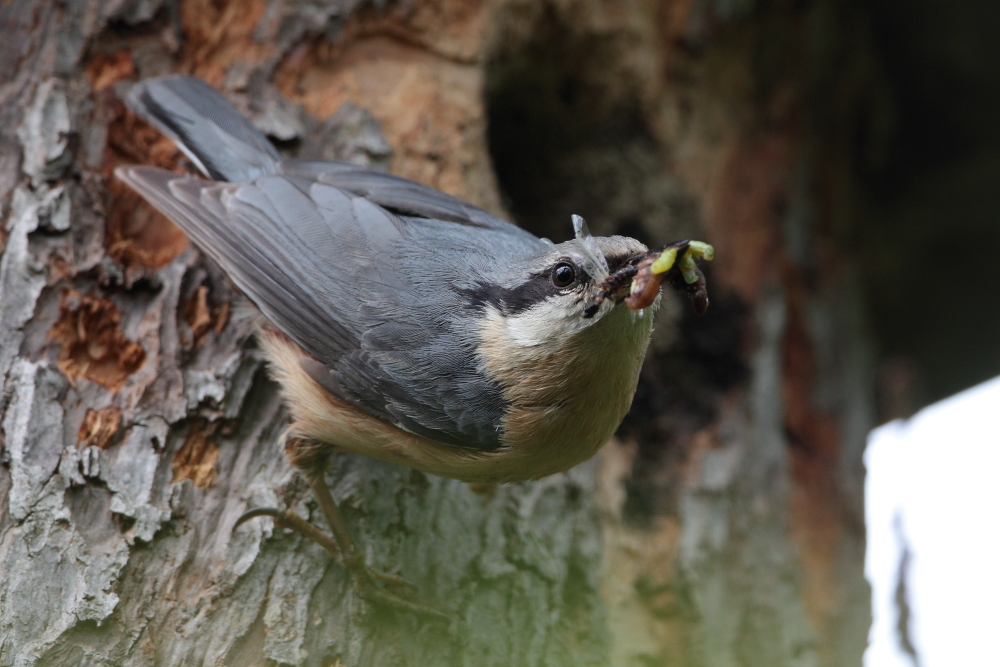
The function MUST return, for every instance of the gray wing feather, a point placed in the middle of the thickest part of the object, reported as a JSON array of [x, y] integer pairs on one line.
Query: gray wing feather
[[373, 296], [227, 147], [210, 131], [396, 194], [256, 265]]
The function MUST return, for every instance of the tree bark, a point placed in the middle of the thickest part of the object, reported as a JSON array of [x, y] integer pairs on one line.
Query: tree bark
[[721, 526]]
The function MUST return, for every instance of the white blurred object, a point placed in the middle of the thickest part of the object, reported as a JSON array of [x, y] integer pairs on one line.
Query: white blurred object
[[932, 511]]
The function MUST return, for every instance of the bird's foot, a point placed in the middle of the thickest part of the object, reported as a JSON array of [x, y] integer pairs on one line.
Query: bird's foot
[[370, 583]]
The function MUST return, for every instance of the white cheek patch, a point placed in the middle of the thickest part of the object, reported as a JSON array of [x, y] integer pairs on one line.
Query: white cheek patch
[[547, 321]]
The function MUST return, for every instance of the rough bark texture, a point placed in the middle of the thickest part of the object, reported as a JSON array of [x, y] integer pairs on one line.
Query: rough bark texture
[[721, 527]]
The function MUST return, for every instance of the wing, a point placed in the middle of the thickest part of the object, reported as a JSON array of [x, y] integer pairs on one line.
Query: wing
[[399, 195], [221, 142], [374, 296]]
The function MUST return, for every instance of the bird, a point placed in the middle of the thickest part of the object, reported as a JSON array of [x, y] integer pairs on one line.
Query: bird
[[402, 323]]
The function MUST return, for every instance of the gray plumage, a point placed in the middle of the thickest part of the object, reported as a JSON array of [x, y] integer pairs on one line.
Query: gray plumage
[[221, 142], [369, 273]]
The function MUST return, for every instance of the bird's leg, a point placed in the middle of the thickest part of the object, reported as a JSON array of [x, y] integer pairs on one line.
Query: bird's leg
[[370, 582], [352, 557]]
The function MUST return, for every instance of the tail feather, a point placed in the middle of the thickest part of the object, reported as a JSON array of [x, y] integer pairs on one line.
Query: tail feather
[[219, 140]]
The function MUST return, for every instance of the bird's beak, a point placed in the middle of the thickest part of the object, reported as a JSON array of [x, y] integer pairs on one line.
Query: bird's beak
[[638, 281]]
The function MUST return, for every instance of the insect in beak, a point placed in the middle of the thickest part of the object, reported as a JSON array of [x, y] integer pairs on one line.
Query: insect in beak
[[638, 281]]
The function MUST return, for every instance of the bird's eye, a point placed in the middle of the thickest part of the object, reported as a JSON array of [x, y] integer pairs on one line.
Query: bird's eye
[[563, 274]]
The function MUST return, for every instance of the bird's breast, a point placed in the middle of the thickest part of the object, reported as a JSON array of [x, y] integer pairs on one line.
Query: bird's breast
[[567, 383]]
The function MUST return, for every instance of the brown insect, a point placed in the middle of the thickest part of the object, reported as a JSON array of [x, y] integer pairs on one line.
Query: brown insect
[[643, 275]]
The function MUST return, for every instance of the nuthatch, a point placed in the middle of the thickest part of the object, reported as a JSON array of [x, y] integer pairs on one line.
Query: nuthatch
[[405, 324]]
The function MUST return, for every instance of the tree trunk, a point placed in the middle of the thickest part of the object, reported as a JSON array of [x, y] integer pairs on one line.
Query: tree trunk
[[722, 525]]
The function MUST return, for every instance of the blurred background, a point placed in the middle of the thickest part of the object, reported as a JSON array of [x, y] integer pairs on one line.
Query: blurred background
[[936, 155], [843, 157]]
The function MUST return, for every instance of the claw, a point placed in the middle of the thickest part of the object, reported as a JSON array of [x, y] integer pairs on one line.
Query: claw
[[272, 512], [369, 588], [393, 579]]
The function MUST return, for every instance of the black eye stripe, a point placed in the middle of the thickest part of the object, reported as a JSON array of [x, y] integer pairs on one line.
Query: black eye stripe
[[515, 300], [510, 301], [536, 289]]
